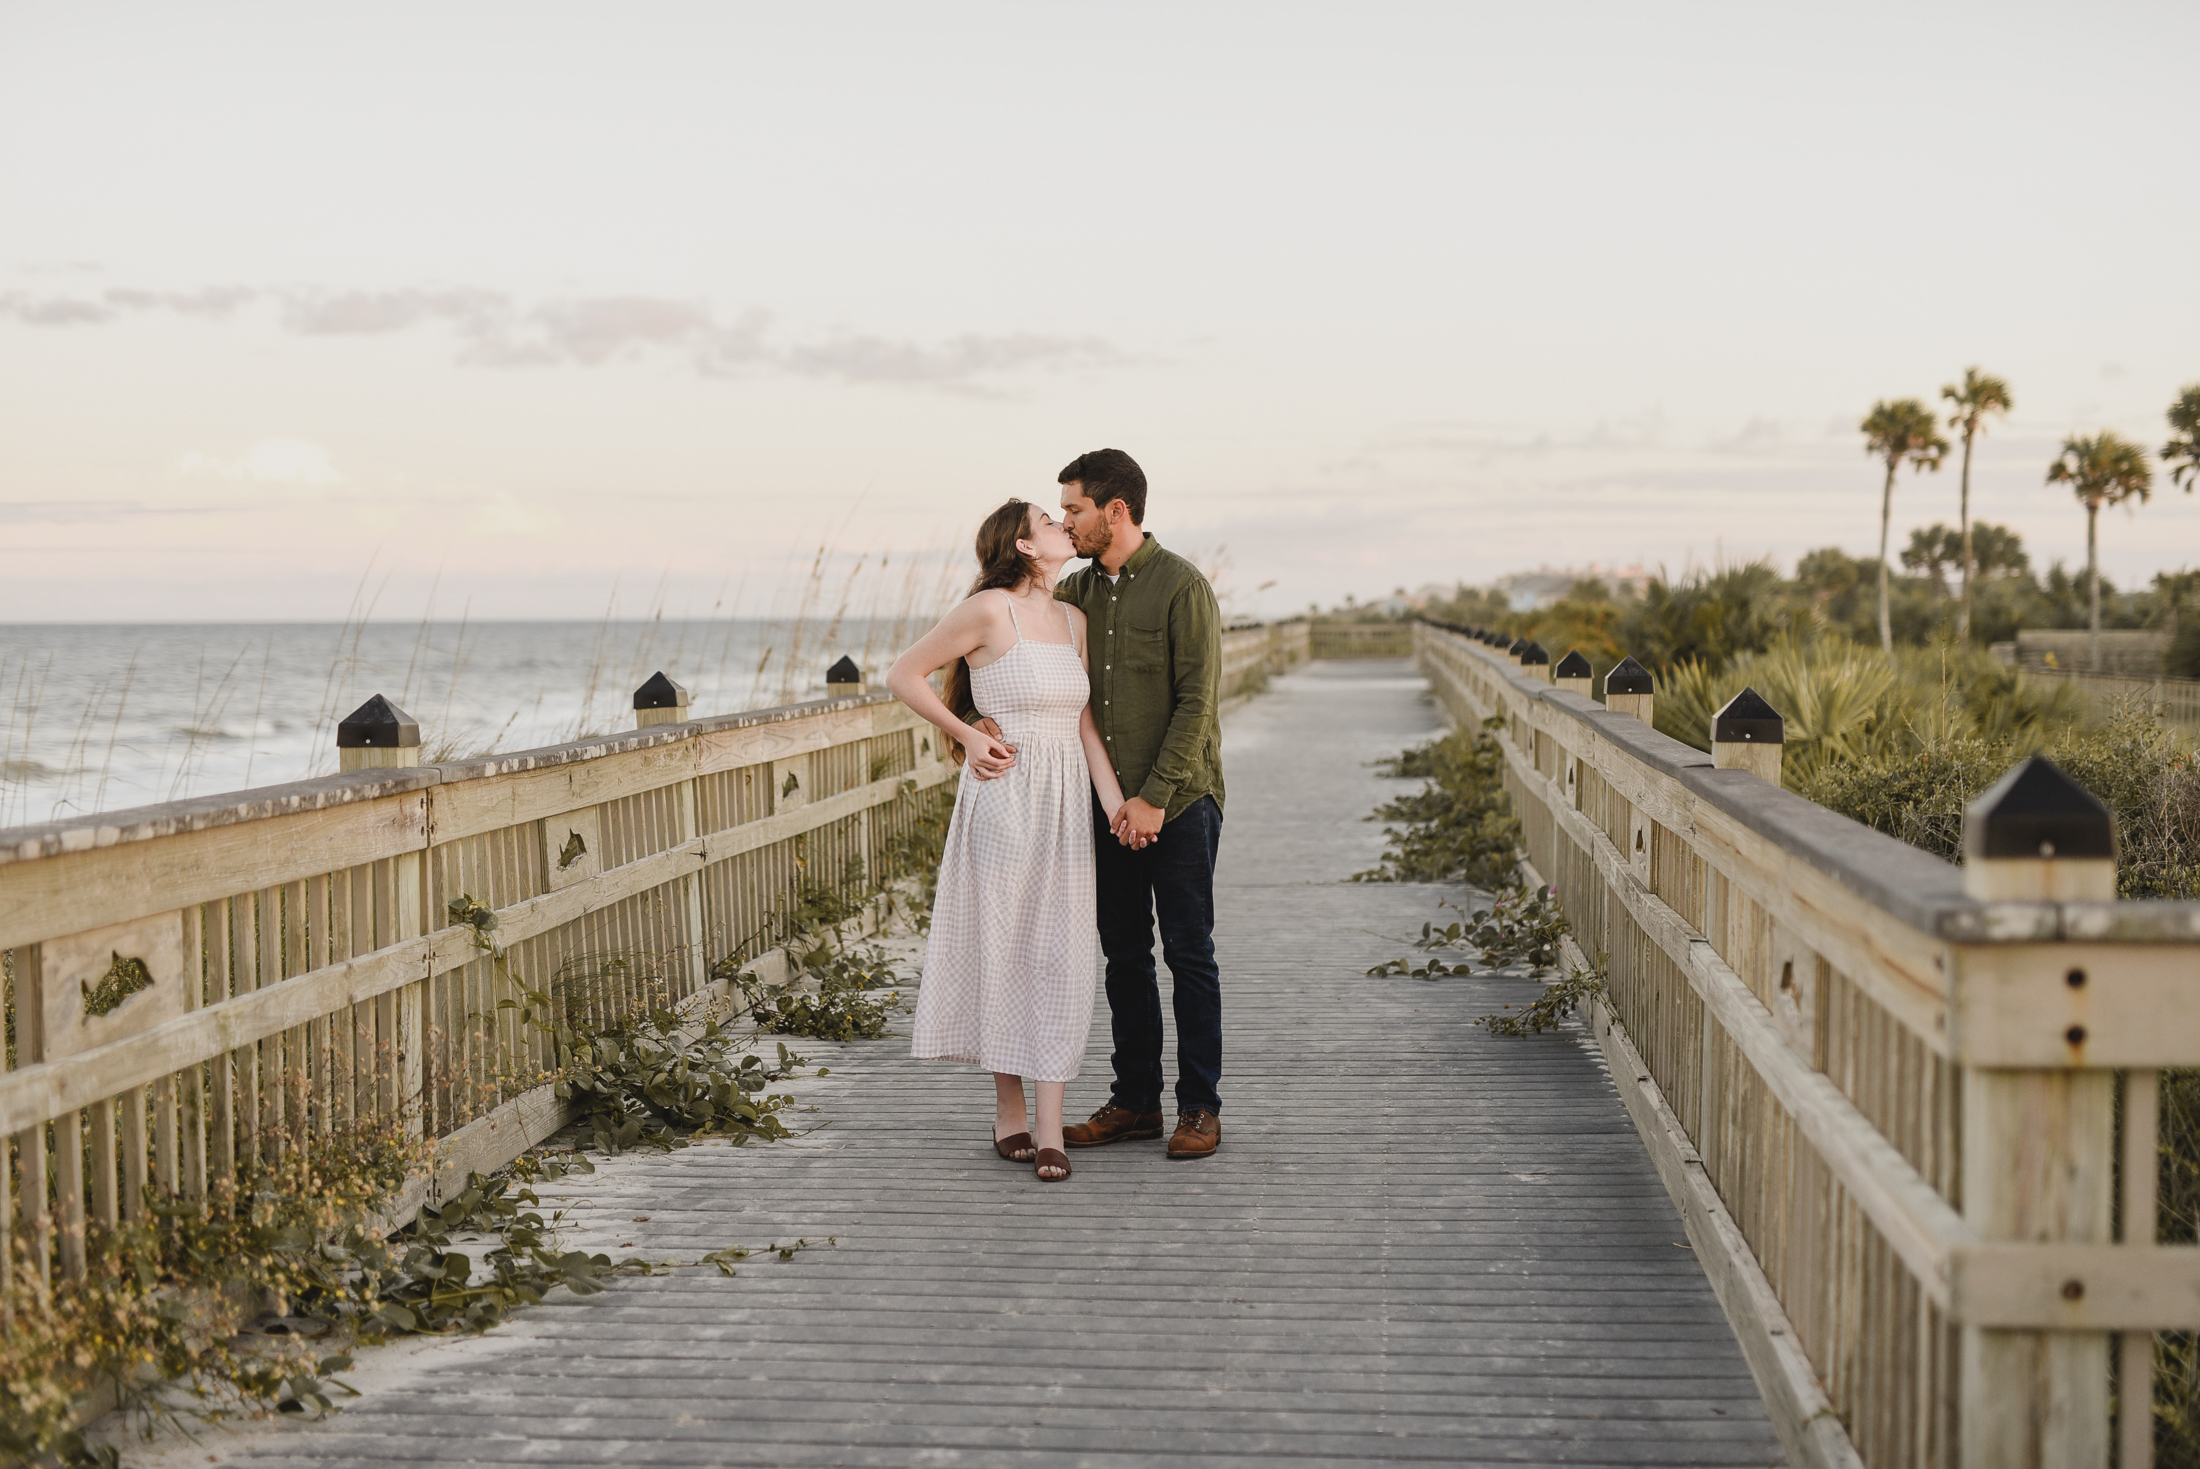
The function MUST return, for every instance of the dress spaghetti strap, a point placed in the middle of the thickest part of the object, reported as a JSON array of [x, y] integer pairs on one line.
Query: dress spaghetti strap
[[1012, 622]]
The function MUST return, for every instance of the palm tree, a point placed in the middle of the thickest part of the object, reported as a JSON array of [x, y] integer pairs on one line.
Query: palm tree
[[1933, 549], [2101, 469], [1979, 394], [1895, 431], [2181, 455]]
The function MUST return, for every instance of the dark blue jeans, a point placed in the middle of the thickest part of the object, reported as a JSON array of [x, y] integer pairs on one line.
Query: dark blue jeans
[[1174, 879]]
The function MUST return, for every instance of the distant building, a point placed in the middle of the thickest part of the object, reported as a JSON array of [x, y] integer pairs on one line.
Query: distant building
[[1532, 591]]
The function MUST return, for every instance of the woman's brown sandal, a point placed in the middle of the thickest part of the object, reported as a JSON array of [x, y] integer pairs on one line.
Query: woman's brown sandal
[[1016, 1142], [1051, 1158]]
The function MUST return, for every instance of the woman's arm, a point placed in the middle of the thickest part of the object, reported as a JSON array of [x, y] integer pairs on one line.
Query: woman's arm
[[960, 633], [1102, 769], [1104, 783]]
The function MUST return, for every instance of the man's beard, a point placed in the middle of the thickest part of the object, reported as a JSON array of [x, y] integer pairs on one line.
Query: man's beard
[[1089, 550]]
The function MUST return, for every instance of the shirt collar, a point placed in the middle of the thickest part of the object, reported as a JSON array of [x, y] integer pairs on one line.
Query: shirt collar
[[1143, 554]]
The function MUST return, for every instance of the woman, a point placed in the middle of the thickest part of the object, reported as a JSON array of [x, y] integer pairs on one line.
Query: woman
[[1009, 973]]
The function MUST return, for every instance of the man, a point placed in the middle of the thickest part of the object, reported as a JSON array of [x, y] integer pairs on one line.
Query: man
[[1156, 664]]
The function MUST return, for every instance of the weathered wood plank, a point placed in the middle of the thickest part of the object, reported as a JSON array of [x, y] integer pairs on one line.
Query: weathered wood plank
[[77, 891]]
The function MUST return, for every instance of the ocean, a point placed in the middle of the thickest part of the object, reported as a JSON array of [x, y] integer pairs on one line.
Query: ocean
[[101, 717]]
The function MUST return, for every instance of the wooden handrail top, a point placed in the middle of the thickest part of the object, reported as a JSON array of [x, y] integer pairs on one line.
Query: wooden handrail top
[[1907, 883], [198, 813]]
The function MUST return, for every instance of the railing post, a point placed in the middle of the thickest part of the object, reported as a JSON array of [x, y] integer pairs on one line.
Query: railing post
[[1534, 662], [377, 735], [32, 1201], [2037, 1145], [1628, 689], [1512, 648], [1573, 674], [660, 701], [843, 678], [1748, 735]]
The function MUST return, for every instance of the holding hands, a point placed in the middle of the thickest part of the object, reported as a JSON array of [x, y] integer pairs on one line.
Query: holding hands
[[1137, 823]]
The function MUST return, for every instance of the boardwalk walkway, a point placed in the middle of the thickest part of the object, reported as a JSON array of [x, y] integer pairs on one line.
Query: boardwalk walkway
[[1419, 1244]]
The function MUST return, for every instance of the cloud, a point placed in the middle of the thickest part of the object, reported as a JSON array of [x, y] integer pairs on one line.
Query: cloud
[[105, 306], [877, 360], [288, 463], [372, 313], [494, 331]]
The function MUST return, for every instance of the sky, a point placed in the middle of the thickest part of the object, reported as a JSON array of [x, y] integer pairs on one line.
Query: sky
[[538, 309]]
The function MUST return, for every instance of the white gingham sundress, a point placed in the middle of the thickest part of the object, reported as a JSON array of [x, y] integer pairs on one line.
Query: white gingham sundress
[[1009, 972]]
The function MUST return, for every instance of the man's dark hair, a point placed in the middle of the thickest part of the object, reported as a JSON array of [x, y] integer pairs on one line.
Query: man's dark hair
[[1109, 474]]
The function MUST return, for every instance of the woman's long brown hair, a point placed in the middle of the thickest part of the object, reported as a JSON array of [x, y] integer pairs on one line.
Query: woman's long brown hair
[[1000, 565]]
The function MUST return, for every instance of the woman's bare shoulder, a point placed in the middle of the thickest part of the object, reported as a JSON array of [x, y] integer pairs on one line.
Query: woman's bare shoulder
[[989, 605]]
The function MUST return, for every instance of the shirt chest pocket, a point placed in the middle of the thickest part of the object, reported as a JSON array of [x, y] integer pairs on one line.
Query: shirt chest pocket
[[1145, 649]]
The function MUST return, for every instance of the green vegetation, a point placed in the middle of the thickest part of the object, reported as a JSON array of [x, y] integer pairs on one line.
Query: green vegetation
[[831, 996], [2135, 766], [124, 978], [1460, 826], [1898, 432], [2181, 455], [1979, 394], [2101, 469], [1463, 826], [248, 1300], [1715, 615]]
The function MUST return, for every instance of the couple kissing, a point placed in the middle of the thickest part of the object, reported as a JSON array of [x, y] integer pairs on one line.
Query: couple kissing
[[1086, 712]]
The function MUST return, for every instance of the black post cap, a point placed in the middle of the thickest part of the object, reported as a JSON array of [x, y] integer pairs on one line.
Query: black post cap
[[1517, 646], [2038, 811], [377, 725], [1627, 677], [1573, 665], [1748, 719], [845, 671], [1532, 655], [660, 693]]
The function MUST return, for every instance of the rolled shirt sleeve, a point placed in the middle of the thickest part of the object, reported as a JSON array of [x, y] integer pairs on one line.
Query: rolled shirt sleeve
[[1195, 675]]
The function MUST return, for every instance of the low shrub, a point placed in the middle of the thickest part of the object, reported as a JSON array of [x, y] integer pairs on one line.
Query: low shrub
[[1847, 705], [1460, 826], [2132, 763]]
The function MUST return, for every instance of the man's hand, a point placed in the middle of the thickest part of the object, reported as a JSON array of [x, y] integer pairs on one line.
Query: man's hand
[[985, 763], [1138, 823]]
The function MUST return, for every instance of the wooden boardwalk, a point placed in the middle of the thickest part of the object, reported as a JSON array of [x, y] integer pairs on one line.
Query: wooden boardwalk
[[1419, 1244]]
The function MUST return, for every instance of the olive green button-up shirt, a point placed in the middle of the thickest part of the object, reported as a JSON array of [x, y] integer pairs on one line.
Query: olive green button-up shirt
[[1156, 636]]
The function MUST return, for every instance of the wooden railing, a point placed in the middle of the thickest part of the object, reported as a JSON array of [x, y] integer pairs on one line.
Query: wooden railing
[[201, 984], [287, 964], [1361, 640], [2174, 699], [1891, 1097], [1251, 652]]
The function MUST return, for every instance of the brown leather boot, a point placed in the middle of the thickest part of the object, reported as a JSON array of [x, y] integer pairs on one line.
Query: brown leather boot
[[1198, 1133], [1112, 1124]]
